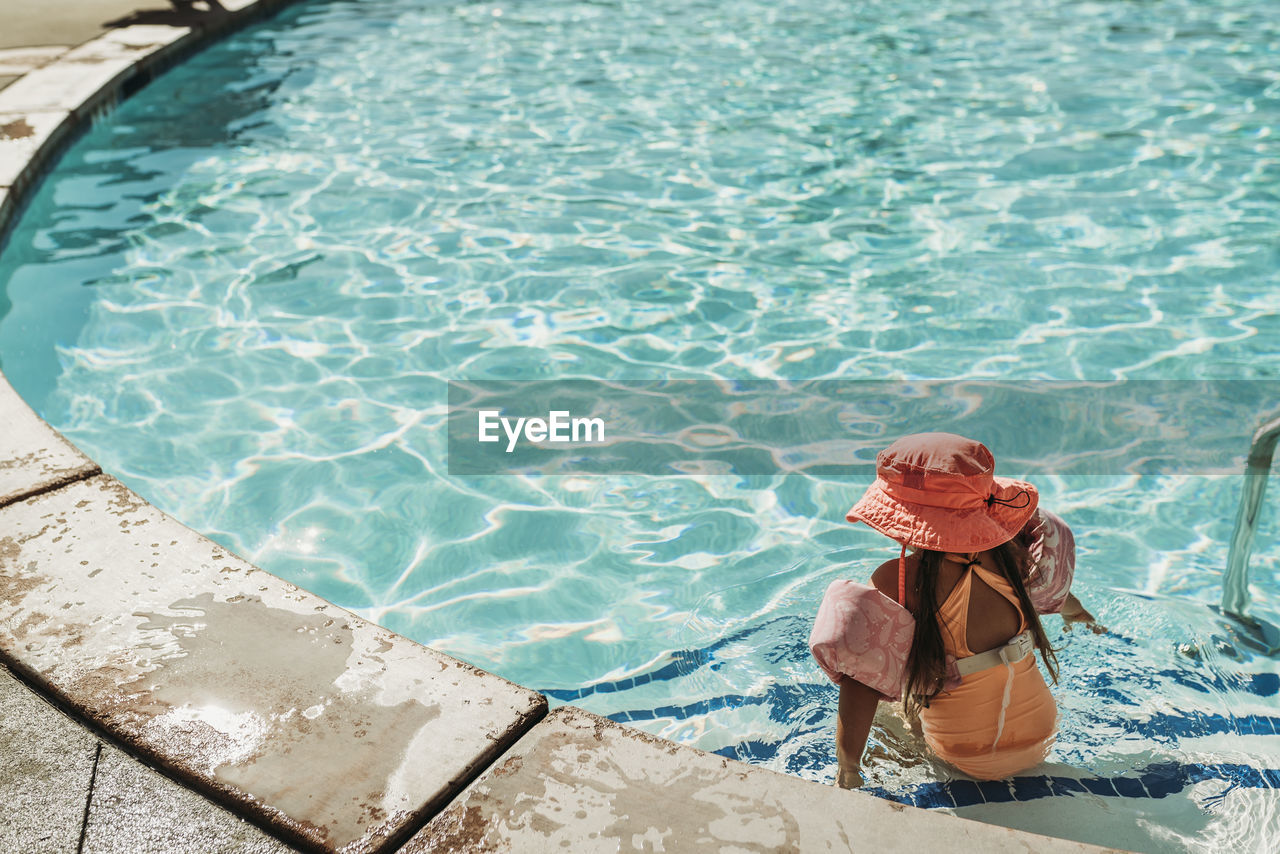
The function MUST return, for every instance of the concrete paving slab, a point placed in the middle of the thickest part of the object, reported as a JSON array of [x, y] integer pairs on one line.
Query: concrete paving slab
[[20, 60], [39, 22], [22, 135], [582, 783], [33, 456], [335, 732], [61, 85], [133, 43], [45, 773], [137, 810], [81, 77]]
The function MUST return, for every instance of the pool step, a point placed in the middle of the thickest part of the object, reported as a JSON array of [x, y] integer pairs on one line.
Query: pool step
[[582, 783]]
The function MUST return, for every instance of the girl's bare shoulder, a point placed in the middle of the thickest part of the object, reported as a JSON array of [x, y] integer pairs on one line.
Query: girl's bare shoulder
[[885, 579]]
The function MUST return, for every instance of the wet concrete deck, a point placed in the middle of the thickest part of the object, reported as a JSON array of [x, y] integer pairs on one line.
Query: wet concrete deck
[[195, 691], [324, 727], [64, 790], [579, 782]]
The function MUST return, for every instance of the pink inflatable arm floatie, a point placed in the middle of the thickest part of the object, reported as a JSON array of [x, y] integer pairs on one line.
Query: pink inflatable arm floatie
[[1053, 560], [864, 634]]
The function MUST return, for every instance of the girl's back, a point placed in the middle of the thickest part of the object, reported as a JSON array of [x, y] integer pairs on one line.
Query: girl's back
[[998, 720], [992, 618]]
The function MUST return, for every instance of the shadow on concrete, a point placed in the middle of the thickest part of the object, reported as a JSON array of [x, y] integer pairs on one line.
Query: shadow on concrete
[[183, 13]]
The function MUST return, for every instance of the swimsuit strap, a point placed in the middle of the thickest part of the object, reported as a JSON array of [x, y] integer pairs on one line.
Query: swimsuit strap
[[953, 612], [969, 563], [997, 582]]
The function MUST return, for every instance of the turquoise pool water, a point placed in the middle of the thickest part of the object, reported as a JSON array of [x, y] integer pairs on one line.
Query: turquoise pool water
[[244, 292]]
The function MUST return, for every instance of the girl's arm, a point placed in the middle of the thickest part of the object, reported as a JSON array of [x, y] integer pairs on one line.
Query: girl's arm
[[857, 708]]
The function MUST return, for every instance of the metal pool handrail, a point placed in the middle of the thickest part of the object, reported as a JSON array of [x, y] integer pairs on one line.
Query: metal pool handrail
[[1235, 584]]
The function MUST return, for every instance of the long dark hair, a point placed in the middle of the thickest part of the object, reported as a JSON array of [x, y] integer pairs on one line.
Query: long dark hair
[[927, 664]]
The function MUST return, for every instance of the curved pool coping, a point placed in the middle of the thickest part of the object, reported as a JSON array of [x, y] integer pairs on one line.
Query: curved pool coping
[[330, 732]]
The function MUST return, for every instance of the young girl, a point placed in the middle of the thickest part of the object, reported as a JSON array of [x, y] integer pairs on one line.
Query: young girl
[[953, 625]]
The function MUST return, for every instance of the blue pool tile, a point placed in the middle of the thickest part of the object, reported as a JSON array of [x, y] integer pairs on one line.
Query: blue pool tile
[[922, 796], [996, 791], [1258, 725], [965, 793], [566, 693], [1243, 775], [1163, 779], [1158, 780], [1066, 785], [1099, 786], [1129, 787], [935, 795], [1196, 772], [1223, 770], [1030, 788], [1115, 696], [1265, 684], [1246, 725]]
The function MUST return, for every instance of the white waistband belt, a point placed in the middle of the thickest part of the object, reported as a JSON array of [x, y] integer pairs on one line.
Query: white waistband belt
[[1018, 648]]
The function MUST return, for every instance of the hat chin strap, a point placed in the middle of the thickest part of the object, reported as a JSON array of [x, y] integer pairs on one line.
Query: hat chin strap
[[1021, 495], [902, 576]]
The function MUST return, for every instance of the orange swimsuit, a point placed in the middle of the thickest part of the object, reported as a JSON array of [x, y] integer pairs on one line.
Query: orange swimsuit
[[997, 721]]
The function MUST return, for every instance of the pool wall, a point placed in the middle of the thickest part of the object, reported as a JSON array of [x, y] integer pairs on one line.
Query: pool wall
[[325, 730]]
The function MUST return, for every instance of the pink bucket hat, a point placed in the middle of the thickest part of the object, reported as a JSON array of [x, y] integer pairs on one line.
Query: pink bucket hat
[[937, 491]]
